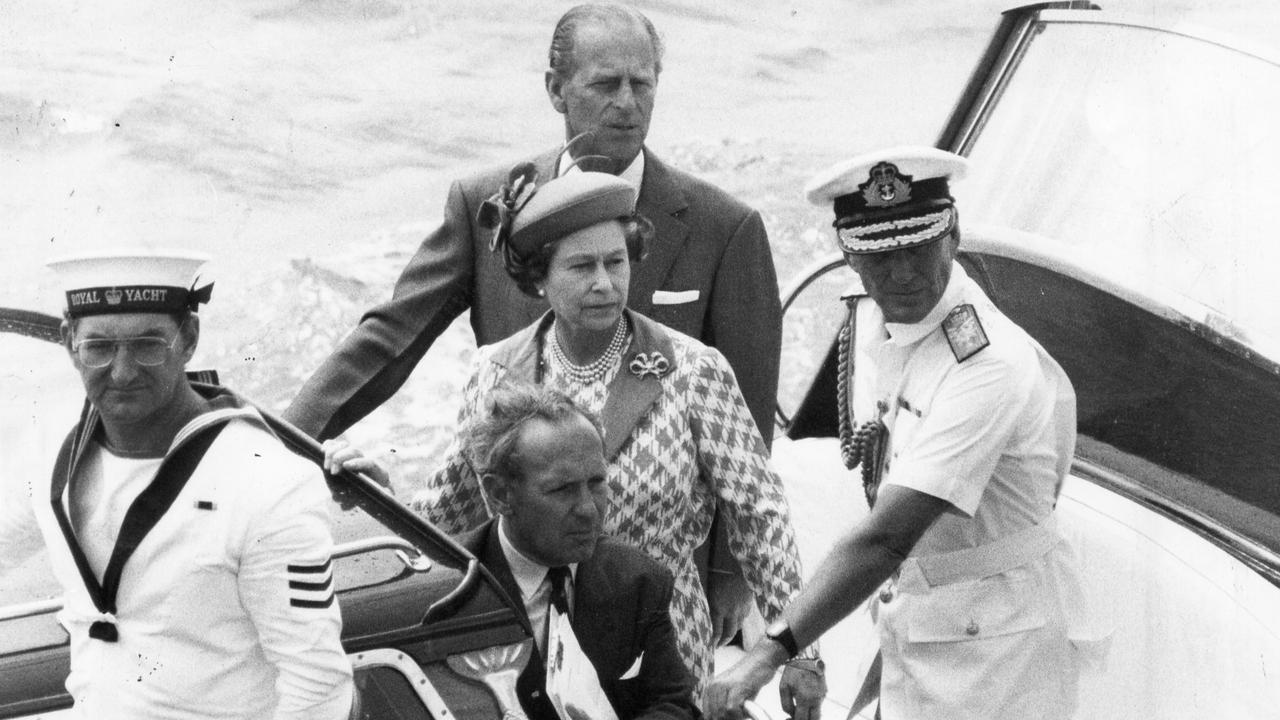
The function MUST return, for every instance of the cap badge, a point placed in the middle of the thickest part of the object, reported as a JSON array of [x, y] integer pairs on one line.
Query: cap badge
[[886, 187]]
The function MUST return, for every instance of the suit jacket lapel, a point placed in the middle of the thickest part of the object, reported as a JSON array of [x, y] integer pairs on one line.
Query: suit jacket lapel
[[637, 386], [483, 543], [521, 356], [531, 685], [632, 392], [663, 203], [594, 615]]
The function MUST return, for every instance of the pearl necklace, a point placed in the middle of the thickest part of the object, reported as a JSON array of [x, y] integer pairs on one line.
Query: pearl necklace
[[596, 370]]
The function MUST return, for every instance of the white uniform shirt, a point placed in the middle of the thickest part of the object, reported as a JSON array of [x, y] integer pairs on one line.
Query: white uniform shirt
[[108, 485], [993, 435], [226, 609]]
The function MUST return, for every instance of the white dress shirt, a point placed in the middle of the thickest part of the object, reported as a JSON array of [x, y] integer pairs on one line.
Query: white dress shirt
[[535, 590], [633, 173]]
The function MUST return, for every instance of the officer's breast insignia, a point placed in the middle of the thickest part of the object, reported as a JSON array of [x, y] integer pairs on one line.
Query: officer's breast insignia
[[964, 332]]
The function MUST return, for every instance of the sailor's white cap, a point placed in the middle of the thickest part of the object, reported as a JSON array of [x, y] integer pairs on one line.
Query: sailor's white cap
[[131, 280]]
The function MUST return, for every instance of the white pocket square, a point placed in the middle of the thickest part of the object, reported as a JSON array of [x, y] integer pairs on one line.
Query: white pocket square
[[674, 297], [634, 670]]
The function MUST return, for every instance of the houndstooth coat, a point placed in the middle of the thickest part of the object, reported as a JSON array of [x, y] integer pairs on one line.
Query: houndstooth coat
[[678, 442]]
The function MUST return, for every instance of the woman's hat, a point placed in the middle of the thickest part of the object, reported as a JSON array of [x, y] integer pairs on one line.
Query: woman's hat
[[568, 204], [131, 281], [891, 198], [526, 216]]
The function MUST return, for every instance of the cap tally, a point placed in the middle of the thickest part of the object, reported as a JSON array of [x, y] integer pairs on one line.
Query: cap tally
[[891, 198], [131, 281]]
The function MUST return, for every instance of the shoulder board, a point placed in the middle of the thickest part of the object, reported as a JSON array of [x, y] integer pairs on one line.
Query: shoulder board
[[964, 332]]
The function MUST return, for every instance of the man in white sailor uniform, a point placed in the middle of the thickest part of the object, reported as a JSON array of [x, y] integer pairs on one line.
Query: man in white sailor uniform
[[192, 547], [965, 429]]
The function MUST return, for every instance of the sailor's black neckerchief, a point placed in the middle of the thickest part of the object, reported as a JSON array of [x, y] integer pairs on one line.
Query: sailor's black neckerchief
[[147, 509]]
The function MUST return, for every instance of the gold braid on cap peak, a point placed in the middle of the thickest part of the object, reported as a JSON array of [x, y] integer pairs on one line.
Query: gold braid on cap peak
[[898, 232]]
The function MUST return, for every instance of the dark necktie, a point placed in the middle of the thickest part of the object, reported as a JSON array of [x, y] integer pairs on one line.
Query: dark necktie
[[559, 578]]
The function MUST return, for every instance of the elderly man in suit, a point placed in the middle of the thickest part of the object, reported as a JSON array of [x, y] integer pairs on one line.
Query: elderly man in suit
[[709, 272], [541, 463]]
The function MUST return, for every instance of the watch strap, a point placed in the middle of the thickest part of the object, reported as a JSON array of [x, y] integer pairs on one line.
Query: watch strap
[[781, 634]]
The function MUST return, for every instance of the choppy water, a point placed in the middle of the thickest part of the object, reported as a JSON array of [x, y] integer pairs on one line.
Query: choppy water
[[269, 129], [308, 145]]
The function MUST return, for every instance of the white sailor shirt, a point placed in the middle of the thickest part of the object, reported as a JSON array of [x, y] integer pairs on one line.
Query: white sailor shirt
[[979, 622], [226, 608]]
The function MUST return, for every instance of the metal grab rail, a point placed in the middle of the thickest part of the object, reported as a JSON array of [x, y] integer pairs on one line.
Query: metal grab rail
[[418, 562], [31, 609], [1254, 555], [31, 324], [808, 276], [447, 605]]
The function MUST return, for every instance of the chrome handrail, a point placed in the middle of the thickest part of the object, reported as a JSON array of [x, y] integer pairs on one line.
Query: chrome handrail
[[415, 679], [418, 563], [1254, 555], [30, 609], [806, 277], [411, 556]]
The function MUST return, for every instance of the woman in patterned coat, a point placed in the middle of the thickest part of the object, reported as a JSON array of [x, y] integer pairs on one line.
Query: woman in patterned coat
[[679, 437]]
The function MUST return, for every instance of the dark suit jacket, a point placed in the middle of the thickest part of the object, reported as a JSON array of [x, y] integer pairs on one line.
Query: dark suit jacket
[[621, 608], [705, 241]]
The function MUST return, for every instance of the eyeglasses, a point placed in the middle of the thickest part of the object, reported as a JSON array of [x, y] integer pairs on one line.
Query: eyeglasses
[[146, 351]]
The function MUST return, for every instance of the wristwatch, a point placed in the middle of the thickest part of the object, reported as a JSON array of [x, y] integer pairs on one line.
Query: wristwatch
[[780, 632]]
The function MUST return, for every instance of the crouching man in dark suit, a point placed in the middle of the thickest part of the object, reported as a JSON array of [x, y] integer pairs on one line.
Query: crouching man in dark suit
[[541, 463]]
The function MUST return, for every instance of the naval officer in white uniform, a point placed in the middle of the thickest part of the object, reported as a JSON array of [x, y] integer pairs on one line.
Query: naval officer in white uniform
[[192, 547], [964, 429]]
